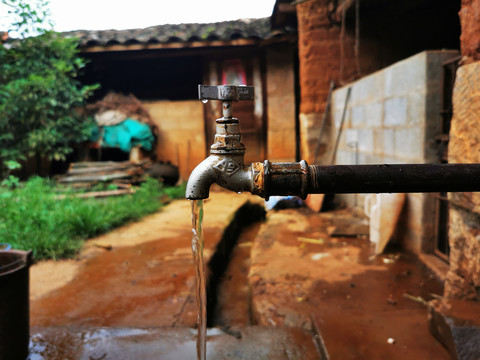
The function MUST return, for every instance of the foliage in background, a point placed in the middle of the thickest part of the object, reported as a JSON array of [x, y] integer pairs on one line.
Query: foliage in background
[[26, 18], [10, 180], [39, 90], [32, 217]]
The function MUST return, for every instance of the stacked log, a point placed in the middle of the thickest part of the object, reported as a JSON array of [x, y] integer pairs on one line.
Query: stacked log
[[88, 174]]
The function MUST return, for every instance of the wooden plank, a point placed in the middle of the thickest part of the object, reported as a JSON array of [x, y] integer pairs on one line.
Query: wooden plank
[[315, 201], [97, 194], [100, 177]]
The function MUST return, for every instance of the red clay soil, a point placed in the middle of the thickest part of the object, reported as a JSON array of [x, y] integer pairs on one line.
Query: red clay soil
[[302, 277], [330, 286]]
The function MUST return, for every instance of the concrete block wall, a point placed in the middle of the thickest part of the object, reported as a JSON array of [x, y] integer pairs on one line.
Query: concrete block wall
[[393, 116]]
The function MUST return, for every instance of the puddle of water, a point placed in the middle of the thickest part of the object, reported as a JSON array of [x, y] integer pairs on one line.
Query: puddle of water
[[200, 287]]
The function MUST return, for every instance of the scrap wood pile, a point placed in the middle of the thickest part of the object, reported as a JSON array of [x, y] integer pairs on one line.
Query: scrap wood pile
[[86, 175]]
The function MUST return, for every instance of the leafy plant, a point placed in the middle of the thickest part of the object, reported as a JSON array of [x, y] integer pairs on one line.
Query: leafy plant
[[11, 180]]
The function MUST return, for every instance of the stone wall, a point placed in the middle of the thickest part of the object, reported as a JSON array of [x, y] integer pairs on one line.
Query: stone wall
[[393, 116], [463, 279], [182, 133]]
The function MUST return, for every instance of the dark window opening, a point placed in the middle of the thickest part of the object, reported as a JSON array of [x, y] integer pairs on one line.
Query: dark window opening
[[442, 246], [148, 78]]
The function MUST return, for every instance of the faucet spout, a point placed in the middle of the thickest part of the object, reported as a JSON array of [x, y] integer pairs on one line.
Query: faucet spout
[[228, 172]]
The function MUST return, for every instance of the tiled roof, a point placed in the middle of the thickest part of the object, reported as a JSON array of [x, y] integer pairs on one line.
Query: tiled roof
[[258, 29]]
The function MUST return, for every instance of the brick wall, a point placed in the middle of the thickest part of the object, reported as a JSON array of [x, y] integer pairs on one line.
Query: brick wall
[[325, 55]]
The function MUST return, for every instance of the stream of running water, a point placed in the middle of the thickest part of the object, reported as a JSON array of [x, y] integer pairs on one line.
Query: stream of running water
[[200, 287]]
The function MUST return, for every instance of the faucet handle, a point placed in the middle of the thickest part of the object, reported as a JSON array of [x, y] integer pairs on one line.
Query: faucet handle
[[225, 92]]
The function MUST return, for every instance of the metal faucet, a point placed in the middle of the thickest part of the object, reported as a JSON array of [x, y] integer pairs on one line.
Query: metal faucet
[[225, 166]]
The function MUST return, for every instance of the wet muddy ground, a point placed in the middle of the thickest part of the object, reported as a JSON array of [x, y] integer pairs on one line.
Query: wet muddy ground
[[363, 306], [285, 275], [170, 344]]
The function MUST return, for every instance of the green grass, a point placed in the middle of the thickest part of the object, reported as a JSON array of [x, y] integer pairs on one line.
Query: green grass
[[31, 217]]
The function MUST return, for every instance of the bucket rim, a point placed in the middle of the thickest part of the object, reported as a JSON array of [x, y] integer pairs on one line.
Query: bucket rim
[[21, 260]]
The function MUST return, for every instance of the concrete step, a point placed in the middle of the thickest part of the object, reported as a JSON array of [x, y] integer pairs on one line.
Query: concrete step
[[254, 342]]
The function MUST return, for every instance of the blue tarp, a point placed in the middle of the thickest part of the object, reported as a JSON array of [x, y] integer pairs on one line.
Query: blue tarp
[[127, 134]]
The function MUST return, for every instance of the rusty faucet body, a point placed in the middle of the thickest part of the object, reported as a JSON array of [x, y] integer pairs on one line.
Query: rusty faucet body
[[225, 166]]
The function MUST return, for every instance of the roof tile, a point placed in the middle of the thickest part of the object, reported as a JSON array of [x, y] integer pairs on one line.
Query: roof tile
[[227, 30]]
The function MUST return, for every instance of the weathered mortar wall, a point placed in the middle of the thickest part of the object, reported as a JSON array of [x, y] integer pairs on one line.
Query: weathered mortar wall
[[393, 117], [280, 84], [182, 133], [463, 278]]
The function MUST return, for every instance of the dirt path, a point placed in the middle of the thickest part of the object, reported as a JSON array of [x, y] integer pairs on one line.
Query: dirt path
[[145, 279], [290, 271]]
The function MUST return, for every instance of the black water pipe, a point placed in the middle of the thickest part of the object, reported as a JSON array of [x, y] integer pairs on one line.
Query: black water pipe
[[301, 179]]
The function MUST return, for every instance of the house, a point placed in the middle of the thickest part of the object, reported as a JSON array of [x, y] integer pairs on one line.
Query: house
[[163, 66]]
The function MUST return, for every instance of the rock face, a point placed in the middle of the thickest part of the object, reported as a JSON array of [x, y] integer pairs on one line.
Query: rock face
[[463, 279]]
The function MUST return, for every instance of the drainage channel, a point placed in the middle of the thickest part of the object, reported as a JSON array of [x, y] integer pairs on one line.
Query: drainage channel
[[228, 295]]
